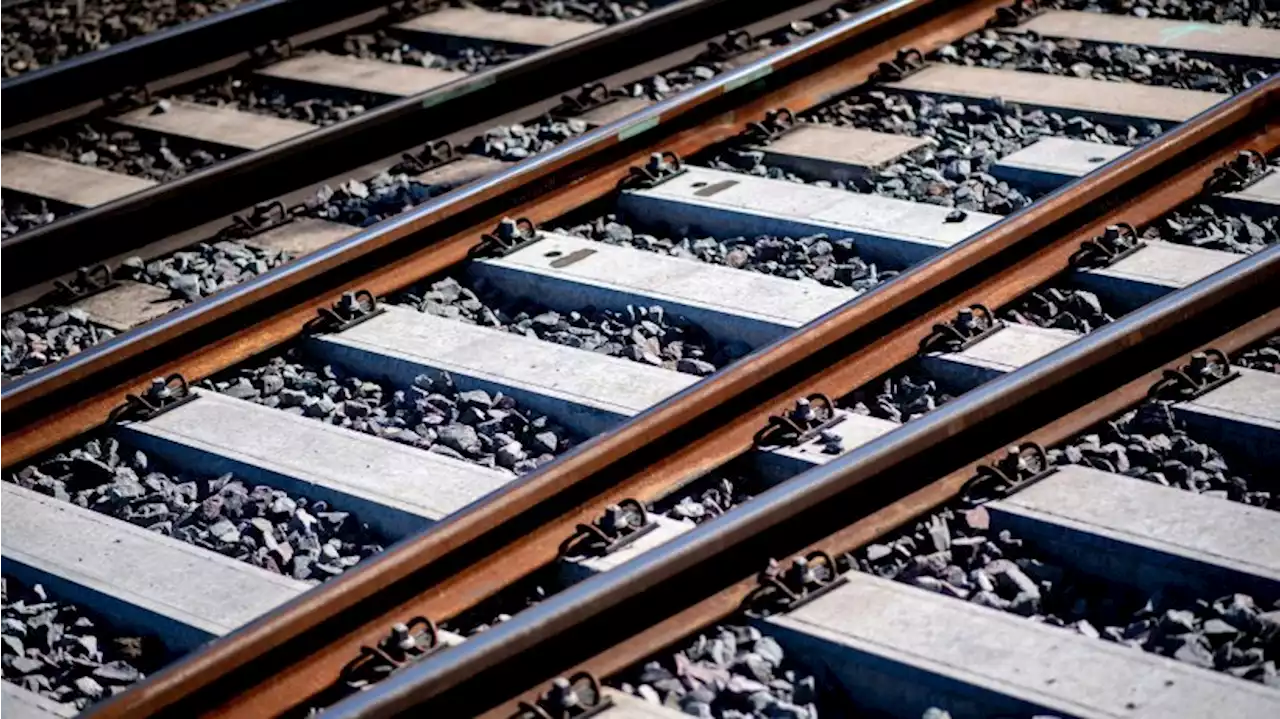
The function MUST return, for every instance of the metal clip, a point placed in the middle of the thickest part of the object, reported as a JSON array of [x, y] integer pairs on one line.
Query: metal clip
[[350, 310], [1015, 14], [432, 156], [408, 9], [735, 43], [589, 97], [780, 590], [812, 415], [88, 282], [660, 168], [1021, 466], [1207, 371], [271, 52], [265, 216], [620, 525], [907, 62], [164, 394], [971, 326], [1116, 243], [1237, 173], [126, 99], [775, 124], [578, 697], [510, 235], [406, 643]]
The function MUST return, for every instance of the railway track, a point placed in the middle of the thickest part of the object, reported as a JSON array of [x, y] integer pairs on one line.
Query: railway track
[[889, 278]]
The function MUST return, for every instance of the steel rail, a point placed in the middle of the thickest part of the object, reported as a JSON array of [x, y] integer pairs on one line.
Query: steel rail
[[599, 463], [169, 51], [536, 639], [832, 372], [292, 623], [128, 222], [899, 511], [561, 170]]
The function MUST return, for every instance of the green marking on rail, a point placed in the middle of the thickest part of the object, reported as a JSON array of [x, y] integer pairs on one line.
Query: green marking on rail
[[437, 98], [747, 79], [636, 128], [1171, 34]]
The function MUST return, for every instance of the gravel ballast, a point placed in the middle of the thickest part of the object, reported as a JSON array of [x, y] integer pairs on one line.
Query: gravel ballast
[[966, 139], [516, 142], [1149, 443], [1264, 356], [123, 151], [1117, 63], [269, 528], [35, 337], [251, 94], [642, 334], [491, 430], [67, 654], [39, 34], [1202, 224], [728, 671], [366, 203], [1230, 12], [811, 258], [19, 214], [953, 552], [1060, 308], [204, 268], [605, 12]]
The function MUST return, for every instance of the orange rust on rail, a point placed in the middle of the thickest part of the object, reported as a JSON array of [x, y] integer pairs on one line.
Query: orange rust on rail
[[537, 549], [667, 634], [322, 667], [286, 325], [477, 583]]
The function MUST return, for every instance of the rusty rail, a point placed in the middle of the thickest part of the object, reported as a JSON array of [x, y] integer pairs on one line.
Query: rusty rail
[[452, 567], [468, 677]]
